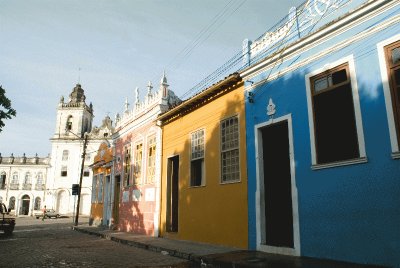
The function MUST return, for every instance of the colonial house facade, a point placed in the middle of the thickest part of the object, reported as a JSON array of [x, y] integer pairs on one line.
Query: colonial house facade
[[104, 203], [204, 178], [23, 183], [322, 123], [137, 161], [73, 122]]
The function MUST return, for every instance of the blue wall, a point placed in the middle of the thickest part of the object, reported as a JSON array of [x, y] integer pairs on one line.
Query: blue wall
[[352, 212]]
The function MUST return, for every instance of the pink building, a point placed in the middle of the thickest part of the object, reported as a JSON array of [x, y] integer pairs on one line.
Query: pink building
[[137, 165]]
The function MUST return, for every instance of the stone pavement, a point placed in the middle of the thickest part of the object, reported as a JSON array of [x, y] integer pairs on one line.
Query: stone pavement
[[212, 255]]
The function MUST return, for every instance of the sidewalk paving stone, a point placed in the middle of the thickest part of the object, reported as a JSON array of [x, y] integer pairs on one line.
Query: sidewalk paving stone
[[213, 255]]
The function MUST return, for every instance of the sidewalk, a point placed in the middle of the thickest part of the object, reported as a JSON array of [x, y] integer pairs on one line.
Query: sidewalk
[[178, 248], [212, 255]]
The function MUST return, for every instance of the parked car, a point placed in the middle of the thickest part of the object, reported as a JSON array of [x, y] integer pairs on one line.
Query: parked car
[[7, 222], [50, 213]]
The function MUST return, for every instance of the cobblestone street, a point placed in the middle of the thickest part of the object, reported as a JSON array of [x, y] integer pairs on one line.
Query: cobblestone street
[[52, 243]]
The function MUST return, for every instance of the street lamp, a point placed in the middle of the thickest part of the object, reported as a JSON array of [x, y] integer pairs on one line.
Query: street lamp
[[85, 141]]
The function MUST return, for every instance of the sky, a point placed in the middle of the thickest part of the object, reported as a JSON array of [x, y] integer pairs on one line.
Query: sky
[[110, 48]]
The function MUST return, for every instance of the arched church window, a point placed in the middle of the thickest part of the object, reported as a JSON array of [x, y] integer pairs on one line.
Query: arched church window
[[86, 126], [69, 123], [65, 155], [11, 204], [38, 203]]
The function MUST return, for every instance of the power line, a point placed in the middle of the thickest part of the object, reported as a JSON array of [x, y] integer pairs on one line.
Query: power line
[[217, 21]]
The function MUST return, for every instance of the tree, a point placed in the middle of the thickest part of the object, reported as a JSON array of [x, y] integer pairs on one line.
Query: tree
[[6, 111]]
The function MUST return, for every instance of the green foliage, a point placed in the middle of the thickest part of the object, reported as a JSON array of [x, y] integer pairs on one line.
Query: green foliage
[[6, 111]]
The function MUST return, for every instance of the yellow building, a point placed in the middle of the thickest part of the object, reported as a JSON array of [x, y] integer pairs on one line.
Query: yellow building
[[101, 187], [204, 181]]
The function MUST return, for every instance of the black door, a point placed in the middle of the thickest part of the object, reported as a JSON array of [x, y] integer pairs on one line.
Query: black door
[[277, 186], [172, 194]]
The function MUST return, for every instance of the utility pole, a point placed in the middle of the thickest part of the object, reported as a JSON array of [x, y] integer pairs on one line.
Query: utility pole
[[80, 178]]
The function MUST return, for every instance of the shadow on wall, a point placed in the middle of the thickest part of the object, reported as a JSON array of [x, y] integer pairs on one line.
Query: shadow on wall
[[214, 211], [132, 219]]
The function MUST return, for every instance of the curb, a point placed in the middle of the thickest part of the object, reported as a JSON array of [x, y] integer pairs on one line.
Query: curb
[[162, 250]]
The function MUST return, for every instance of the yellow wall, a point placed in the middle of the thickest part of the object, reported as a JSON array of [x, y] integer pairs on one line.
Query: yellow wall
[[96, 213], [215, 213]]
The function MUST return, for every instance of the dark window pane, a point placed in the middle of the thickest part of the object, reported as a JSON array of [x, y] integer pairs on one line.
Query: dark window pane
[[196, 172], [335, 128], [397, 76], [339, 77]]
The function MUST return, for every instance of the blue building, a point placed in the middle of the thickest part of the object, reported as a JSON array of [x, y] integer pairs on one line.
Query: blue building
[[323, 132]]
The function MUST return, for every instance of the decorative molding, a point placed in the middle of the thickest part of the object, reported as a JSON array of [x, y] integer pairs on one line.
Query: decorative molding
[[311, 41], [271, 108]]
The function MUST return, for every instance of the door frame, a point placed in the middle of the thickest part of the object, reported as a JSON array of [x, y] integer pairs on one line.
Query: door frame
[[260, 200]]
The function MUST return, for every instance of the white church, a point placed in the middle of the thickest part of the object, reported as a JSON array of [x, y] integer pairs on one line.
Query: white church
[[29, 183]]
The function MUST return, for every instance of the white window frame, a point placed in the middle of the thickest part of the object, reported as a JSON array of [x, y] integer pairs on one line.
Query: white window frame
[[203, 176], [394, 143], [222, 151], [357, 113]]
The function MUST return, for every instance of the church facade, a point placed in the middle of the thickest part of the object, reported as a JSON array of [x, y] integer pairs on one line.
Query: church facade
[[74, 121]]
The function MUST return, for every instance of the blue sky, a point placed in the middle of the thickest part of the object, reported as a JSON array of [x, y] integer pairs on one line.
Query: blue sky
[[117, 45]]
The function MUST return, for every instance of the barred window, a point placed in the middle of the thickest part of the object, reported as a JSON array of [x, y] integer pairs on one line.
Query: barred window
[[230, 150], [151, 160], [137, 169], [197, 158]]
